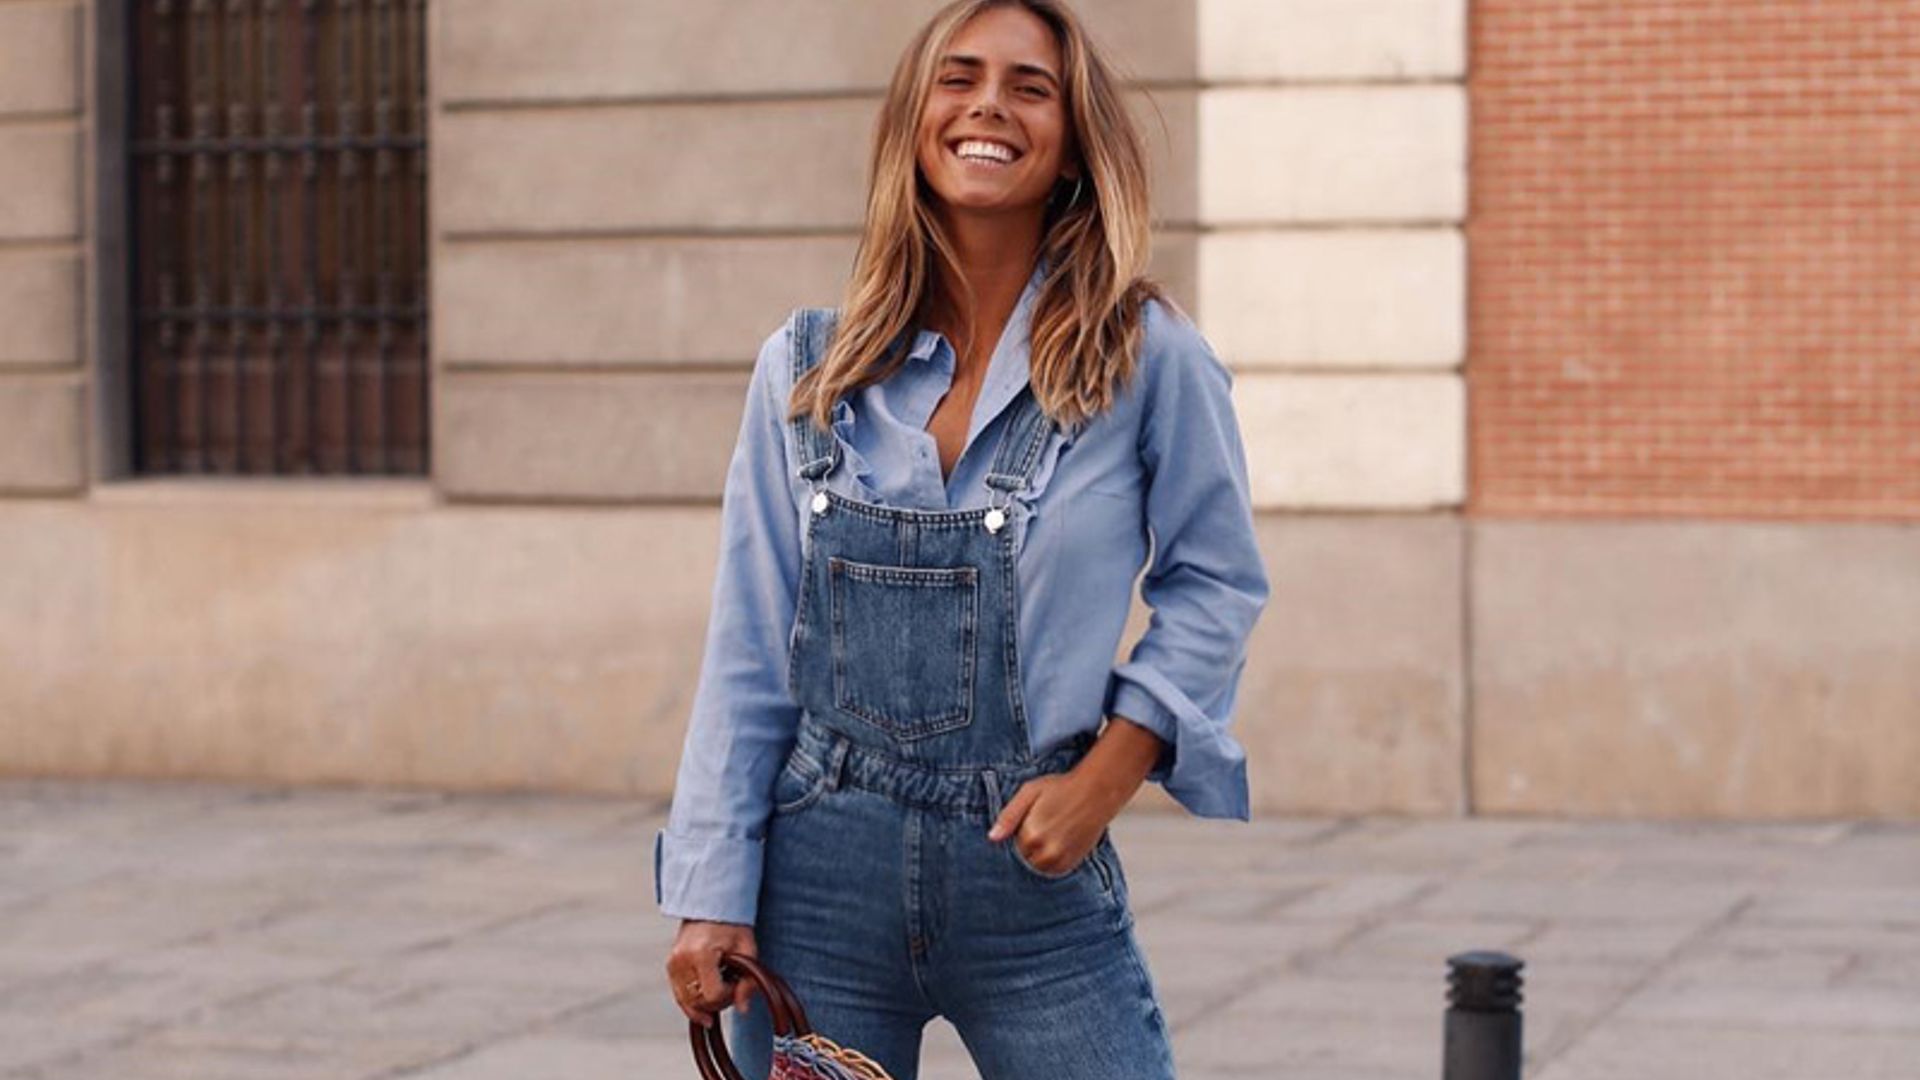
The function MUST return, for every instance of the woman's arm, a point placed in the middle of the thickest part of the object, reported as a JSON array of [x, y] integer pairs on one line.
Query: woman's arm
[[707, 860], [1170, 704], [1206, 584]]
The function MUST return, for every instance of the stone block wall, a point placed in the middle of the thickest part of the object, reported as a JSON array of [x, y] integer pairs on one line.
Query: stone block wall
[[627, 196]]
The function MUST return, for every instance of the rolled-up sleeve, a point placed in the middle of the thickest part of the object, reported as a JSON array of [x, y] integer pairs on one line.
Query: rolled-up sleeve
[[707, 860], [1206, 584]]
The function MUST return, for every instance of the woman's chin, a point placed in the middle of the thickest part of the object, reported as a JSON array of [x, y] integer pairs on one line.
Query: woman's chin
[[966, 200]]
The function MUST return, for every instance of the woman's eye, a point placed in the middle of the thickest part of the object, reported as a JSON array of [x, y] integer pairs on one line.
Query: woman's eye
[[953, 80], [1036, 91]]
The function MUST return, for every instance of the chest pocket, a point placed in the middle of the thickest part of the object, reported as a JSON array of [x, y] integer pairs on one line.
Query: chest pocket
[[904, 644]]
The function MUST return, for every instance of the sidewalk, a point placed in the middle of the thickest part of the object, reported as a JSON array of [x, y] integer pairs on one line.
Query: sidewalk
[[221, 933]]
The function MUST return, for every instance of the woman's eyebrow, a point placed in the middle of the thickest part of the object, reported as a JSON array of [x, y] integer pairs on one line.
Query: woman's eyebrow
[[978, 64]]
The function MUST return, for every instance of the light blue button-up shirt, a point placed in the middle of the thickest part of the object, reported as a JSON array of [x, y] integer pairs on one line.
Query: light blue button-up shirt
[[1166, 463]]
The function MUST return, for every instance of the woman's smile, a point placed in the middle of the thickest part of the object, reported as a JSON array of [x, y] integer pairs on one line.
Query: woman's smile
[[985, 152]]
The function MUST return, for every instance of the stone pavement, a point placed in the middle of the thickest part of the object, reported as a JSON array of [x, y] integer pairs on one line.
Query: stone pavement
[[224, 933]]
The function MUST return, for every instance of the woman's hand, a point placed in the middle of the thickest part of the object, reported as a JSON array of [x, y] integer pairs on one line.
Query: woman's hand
[[1057, 819], [695, 959]]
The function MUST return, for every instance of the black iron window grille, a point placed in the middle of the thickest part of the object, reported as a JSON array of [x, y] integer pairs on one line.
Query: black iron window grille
[[279, 255]]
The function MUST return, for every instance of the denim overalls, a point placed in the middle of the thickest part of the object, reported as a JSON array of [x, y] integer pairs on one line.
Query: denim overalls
[[883, 903]]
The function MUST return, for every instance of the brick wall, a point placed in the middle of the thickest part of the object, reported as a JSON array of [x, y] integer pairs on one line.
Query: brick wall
[[1695, 258]]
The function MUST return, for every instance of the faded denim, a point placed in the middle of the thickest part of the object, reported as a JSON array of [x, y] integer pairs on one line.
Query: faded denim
[[883, 903]]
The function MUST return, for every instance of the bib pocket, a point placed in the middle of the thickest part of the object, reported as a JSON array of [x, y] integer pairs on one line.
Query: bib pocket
[[903, 642]]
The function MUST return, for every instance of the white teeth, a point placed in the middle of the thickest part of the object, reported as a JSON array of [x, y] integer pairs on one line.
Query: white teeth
[[980, 148]]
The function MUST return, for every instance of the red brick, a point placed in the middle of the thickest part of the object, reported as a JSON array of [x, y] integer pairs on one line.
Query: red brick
[[1694, 263]]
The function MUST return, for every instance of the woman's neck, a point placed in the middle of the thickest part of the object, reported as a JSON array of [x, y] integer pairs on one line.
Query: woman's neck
[[996, 260]]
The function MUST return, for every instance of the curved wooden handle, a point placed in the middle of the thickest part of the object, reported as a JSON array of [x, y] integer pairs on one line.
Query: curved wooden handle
[[710, 1044]]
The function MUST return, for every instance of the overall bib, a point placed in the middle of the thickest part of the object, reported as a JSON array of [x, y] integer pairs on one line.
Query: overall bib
[[883, 903]]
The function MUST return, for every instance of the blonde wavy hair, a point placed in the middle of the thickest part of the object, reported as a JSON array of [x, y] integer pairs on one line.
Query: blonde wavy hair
[[1086, 324]]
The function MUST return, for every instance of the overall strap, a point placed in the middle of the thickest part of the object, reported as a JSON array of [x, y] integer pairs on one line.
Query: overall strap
[[809, 336], [1020, 446]]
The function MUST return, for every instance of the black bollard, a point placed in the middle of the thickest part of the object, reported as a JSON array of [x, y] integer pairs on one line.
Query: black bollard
[[1483, 1017]]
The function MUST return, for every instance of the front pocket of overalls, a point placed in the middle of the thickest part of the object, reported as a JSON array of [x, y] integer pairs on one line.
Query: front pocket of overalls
[[1013, 845], [903, 644], [796, 787], [1094, 859]]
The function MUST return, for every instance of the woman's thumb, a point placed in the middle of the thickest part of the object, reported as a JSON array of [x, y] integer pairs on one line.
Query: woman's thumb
[[1008, 822]]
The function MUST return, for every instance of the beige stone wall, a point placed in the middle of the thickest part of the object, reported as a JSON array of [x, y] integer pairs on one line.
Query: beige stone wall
[[1331, 276], [364, 634], [42, 125], [1332, 186], [628, 195], [1696, 669]]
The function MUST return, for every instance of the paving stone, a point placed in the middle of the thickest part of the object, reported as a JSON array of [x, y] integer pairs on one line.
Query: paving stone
[[30, 1040], [1359, 896], [555, 1055], [1871, 855], [1711, 964], [372, 1005], [1412, 936], [636, 931], [1800, 905], [1231, 904], [1197, 967], [644, 1012], [1596, 900], [1853, 1007], [175, 1055], [153, 931], [1634, 1050], [1436, 845], [1900, 942], [1605, 947], [1283, 1042]]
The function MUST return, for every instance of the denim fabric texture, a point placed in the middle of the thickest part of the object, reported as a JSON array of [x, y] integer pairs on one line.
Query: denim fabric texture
[[1162, 472], [883, 904]]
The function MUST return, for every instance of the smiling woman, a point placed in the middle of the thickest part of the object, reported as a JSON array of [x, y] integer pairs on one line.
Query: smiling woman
[[940, 501]]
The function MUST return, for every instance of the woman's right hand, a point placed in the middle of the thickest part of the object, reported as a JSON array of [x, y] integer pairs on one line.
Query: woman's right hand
[[696, 956]]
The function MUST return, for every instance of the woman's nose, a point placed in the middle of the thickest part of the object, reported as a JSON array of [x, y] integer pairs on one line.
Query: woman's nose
[[986, 99]]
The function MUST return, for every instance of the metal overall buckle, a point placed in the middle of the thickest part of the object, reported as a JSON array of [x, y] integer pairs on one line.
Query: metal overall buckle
[[997, 513]]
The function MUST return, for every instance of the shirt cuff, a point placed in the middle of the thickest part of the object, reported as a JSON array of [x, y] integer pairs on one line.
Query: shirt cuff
[[1202, 767], [715, 878]]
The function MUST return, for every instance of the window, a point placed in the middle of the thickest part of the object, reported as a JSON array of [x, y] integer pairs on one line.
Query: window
[[277, 263]]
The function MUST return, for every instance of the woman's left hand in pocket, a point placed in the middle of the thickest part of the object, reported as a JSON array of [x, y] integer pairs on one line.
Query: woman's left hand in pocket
[[1056, 819]]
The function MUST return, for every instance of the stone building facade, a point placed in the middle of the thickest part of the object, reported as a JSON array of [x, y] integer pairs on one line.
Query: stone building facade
[[1492, 329]]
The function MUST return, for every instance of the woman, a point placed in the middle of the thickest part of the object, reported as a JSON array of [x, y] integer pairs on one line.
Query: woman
[[897, 782]]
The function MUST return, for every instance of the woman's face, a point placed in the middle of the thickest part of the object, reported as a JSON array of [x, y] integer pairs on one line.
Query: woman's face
[[996, 95]]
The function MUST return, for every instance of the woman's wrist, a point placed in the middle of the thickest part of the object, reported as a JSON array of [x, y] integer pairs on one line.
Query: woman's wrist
[[1119, 760]]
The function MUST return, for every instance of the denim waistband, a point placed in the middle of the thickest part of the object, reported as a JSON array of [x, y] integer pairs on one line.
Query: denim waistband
[[969, 788]]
